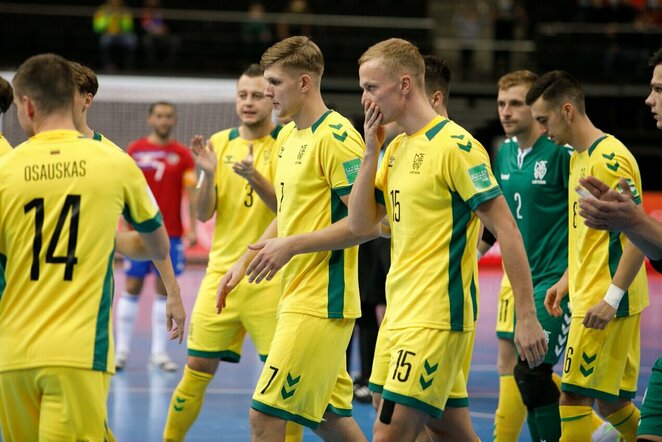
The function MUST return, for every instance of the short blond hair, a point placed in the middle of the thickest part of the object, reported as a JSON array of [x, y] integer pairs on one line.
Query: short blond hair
[[517, 78], [85, 78], [295, 52], [399, 57]]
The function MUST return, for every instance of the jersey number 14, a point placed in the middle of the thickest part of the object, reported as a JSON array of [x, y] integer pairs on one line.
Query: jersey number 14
[[70, 209]]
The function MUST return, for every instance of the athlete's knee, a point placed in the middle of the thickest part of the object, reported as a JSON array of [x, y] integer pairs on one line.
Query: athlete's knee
[[203, 365], [376, 399], [536, 385]]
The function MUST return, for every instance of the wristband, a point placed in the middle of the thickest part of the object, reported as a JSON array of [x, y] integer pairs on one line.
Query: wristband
[[614, 296]]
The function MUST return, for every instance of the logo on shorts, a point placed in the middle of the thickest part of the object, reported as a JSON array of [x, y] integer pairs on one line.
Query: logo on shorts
[[585, 365], [427, 377], [289, 388]]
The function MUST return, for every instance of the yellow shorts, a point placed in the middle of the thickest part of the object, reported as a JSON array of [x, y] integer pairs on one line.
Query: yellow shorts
[[505, 323], [305, 373], [250, 308], [54, 404], [458, 396], [603, 364]]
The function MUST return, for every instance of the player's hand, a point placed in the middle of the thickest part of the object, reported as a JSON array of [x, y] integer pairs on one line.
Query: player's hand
[[245, 167], [204, 155], [175, 315], [530, 340], [229, 281], [373, 131], [273, 254], [599, 315], [607, 209], [555, 295]]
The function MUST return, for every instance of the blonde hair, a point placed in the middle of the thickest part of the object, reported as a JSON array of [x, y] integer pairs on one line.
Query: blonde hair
[[85, 78], [516, 78], [399, 57], [295, 52]]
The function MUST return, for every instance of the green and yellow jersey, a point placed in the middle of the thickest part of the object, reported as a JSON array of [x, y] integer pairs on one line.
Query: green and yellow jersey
[[535, 184], [61, 196], [317, 166], [593, 255], [431, 182], [241, 214]]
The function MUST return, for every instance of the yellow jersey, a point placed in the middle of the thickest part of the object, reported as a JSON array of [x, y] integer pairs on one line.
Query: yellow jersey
[[61, 196], [593, 255], [431, 182], [316, 166], [5, 147], [99, 137], [241, 215]]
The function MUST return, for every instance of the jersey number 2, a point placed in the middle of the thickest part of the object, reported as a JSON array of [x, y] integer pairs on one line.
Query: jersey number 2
[[71, 206]]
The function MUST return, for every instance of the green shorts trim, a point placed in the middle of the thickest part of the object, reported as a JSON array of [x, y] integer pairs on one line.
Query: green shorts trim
[[285, 415], [458, 402], [226, 355], [375, 388], [413, 403], [343, 412], [597, 394], [509, 336]]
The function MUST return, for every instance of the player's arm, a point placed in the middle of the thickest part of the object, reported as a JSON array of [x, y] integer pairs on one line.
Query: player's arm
[[262, 186], [206, 160], [529, 335], [157, 248], [364, 211], [189, 187], [238, 270], [617, 212], [274, 253], [604, 311]]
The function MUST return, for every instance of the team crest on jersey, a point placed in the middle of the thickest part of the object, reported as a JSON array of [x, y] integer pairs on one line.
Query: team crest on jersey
[[418, 161], [302, 152], [391, 160], [228, 159], [539, 172], [266, 156], [280, 152]]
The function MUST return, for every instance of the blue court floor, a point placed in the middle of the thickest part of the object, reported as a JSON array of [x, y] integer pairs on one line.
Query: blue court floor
[[139, 396]]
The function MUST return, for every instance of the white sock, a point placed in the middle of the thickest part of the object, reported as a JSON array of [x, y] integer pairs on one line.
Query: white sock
[[127, 311], [159, 332]]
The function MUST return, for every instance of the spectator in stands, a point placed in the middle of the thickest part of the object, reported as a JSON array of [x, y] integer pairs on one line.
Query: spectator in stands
[[256, 34], [161, 46], [286, 29], [114, 22]]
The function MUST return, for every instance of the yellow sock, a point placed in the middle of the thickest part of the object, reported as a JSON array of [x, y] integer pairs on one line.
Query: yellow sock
[[510, 413], [575, 423], [596, 420], [626, 421], [185, 404], [293, 432]]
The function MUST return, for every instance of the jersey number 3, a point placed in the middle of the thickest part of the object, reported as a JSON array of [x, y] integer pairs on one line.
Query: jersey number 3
[[70, 209]]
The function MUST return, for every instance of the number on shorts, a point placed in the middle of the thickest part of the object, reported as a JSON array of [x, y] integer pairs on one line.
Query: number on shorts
[[403, 368], [503, 310], [568, 359], [271, 379]]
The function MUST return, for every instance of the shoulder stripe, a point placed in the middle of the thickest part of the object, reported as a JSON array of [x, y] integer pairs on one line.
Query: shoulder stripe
[[234, 133], [595, 144], [432, 132], [317, 123]]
